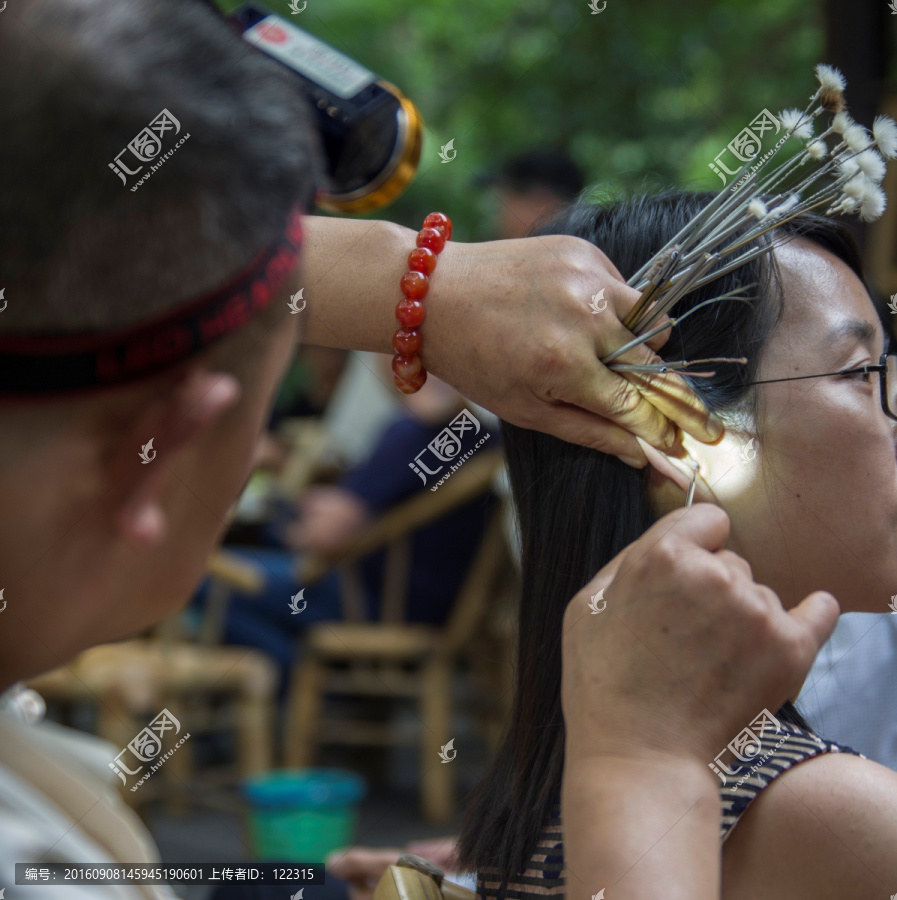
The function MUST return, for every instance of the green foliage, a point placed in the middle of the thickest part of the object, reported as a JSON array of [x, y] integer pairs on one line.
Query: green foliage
[[646, 92]]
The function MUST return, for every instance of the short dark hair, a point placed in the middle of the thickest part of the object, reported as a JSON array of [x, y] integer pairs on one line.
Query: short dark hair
[[81, 251], [550, 170]]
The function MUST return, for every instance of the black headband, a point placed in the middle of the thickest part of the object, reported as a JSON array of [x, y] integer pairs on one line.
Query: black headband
[[64, 363]]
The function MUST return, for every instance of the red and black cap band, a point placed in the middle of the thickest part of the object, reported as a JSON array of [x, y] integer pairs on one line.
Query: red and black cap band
[[63, 363]]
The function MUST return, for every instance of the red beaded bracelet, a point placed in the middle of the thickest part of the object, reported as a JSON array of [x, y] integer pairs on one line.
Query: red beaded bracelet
[[409, 374]]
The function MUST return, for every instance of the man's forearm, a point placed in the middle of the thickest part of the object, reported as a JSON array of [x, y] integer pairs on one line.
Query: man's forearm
[[351, 270], [640, 829]]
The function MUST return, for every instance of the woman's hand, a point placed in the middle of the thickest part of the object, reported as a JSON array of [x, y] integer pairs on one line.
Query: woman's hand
[[510, 324], [688, 649]]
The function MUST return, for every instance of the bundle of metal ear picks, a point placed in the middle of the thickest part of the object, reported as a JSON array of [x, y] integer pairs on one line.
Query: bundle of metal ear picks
[[837, 171]]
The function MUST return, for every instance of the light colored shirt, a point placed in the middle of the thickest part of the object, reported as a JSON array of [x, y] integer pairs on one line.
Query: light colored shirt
[[59, 804], [849, 693]]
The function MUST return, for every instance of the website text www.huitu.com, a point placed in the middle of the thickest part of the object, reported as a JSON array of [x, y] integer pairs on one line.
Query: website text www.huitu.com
[[461, 461], [158, 165], [158, 765]]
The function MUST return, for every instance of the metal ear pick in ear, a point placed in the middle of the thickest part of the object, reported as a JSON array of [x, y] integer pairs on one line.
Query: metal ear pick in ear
[[838, 171], [690, 496]]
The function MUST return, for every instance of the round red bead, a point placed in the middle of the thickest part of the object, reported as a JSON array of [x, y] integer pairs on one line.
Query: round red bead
[[437, 220], [410, 313], [414, 285], [431, 238], [415, 384], [407, 342], [422, 259], [406, 366]]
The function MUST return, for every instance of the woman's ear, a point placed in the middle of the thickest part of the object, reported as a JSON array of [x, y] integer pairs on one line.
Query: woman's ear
[[664, 469]]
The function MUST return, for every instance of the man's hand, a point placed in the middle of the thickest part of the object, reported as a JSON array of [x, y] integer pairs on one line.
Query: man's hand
[[688, 649], [510, 325]]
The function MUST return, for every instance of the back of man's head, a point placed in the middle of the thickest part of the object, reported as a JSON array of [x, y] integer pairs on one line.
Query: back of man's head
[[81, 79]]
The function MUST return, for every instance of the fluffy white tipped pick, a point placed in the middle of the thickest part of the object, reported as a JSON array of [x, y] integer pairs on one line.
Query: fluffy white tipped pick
[[873, 204], [785, 206], [857, 187], [846, 205], [817, 150], [757, 208], [847, 168], [796, 123], [857, 138], [830, 78], [884, 130], [841, 122], [871, 164]]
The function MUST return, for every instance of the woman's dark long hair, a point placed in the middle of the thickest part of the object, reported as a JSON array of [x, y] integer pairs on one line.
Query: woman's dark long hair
[[578, 508]]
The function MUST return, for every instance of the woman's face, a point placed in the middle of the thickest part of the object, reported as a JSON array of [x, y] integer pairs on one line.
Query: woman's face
[[816, 506]]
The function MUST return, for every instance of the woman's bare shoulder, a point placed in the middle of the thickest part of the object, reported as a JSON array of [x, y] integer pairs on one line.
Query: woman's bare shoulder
[[825, 828]]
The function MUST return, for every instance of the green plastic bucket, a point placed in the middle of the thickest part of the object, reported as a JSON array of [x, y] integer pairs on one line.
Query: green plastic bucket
[[300, 815]]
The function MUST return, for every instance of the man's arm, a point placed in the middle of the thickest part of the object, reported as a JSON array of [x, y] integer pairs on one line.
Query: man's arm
[[508, 325]]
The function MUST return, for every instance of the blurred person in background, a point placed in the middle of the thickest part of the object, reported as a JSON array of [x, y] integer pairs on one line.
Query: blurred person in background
[[533, 186], [328, 519]]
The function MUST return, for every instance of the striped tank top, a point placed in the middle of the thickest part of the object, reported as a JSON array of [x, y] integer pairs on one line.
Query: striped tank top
[[544, 873]]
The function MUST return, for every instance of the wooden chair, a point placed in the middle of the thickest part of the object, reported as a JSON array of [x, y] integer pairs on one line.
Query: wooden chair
[[132, 681], [415, 878], [371, 659]]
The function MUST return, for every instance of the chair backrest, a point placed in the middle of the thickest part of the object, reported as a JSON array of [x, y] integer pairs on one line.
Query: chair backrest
[[308, 441], [393, 532], [489, 579]]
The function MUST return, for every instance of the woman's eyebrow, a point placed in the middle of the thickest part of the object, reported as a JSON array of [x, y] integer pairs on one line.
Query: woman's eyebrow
[[859, 329]]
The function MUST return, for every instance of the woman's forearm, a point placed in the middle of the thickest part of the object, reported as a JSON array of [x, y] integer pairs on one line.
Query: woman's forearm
[[640, 829]]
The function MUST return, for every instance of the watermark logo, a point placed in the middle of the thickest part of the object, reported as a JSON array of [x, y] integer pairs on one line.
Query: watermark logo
[[892, 604], [892, 303], [448, 152], [295, 8], [593, 5], [147, 453], [596, 599], [746, 746], [891, 6], [294, 603], [1, 598], [297, 895], [748, 453], [146, 147], [2, 292], [746, 145], [147, 747], [1, 10], [599, 895], [446, 446], [294, 298], [447, 752], [597, 306]]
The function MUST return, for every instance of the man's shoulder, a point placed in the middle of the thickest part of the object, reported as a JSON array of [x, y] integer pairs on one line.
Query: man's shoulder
[[825, 827]]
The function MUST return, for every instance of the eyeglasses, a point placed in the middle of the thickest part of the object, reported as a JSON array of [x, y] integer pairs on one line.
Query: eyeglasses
[[887, 371]]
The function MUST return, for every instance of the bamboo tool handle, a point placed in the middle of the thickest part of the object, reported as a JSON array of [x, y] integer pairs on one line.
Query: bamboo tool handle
[[416, 878]]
